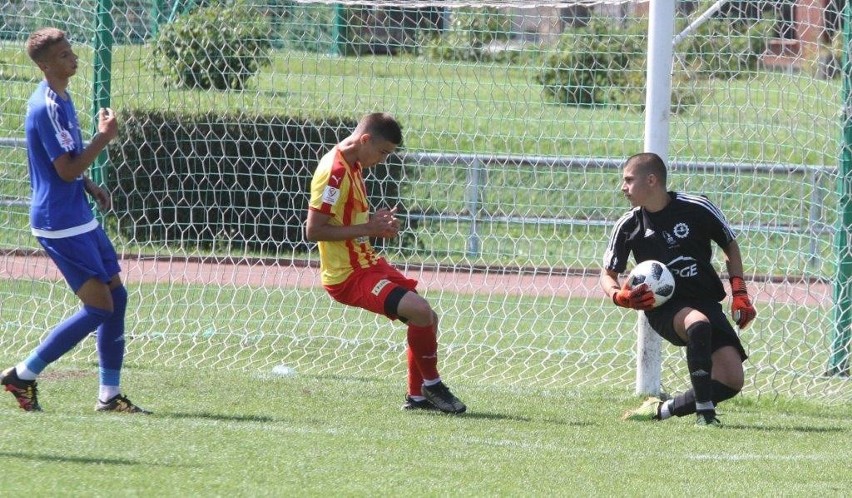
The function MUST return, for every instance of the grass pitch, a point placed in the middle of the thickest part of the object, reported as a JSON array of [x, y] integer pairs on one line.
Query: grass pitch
[[250, 433]]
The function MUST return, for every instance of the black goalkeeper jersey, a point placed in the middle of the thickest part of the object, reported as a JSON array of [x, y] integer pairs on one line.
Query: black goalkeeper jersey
[[679, 235]]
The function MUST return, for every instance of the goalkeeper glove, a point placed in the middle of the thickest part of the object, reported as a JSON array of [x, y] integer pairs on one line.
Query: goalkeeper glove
[[637, 298], [742, 311]]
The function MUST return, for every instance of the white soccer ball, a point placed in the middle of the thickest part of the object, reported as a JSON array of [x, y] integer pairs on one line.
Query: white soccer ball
[[659, 279]]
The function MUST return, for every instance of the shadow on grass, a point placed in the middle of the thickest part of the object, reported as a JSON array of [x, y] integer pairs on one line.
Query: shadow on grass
[[36, 457], [505, 417], [219, 417]]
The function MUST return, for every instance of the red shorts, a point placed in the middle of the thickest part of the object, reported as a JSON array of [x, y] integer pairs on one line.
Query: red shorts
[[369, 288]]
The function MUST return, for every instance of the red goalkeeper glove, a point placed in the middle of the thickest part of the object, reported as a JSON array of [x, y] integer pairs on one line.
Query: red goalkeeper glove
[[742, 311], [637, 298]]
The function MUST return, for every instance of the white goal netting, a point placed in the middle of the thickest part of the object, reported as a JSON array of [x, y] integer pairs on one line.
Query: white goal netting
[[517, 117]]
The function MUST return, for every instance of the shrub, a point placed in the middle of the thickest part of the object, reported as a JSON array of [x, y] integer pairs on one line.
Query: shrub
[[591, 65], [603, 64], [213, 47], [216, 182], [723, 48], [469, 35]]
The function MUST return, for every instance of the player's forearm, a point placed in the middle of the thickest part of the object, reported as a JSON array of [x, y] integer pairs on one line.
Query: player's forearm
[[609, 284], [89, 185], [70, 168], [734, 260]]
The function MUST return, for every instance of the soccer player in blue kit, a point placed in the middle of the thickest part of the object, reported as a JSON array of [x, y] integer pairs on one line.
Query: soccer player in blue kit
[[678, 229], [66, 228]]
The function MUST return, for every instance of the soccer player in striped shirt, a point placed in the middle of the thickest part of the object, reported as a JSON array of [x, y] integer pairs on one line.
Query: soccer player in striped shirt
[[340, 221], [678, 229], [66, 228]]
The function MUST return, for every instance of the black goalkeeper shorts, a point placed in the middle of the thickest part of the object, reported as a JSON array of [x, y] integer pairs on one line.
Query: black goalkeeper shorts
[[662, 321]]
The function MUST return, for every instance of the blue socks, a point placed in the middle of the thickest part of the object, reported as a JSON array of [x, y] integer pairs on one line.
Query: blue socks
[[62, 339], [111, 340], [68, 334]]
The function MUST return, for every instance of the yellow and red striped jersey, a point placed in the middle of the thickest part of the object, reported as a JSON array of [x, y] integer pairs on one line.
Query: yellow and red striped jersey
[[338, 189]]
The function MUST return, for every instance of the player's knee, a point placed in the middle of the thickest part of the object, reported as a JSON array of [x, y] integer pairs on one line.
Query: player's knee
[[422, 314], [418, 311], [98, 315], [723, 391], [734, 380], [119, 299]]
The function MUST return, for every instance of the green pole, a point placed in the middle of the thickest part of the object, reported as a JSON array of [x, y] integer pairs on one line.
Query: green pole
[[101, 83], [181, 7], [338, 31], [841, 340], [158, 7]]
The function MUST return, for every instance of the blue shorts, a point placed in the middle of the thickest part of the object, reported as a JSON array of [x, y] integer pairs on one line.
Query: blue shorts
[[82, 257]]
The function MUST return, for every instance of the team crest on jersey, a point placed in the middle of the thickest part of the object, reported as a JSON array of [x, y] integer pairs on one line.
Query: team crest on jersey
[[669, 239], [65, 140], [381, 284], [681, 230], [330, 195]]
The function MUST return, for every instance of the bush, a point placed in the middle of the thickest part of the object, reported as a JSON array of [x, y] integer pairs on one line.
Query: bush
[[603, 64], [723, 48], [594, 64], [216, 182], [469, 35], [213, 47], [306, 28]]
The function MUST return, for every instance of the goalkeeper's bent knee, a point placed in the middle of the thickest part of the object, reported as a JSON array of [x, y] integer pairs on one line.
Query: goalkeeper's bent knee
[[721, 392]]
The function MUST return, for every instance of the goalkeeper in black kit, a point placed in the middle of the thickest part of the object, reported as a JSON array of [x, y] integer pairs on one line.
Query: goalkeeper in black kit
[[677, 229]]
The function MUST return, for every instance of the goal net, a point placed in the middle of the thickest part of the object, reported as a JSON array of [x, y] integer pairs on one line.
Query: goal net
[[517, 117]]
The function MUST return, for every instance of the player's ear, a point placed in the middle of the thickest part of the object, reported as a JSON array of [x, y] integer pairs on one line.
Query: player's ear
[[652, 179], [364, 138]]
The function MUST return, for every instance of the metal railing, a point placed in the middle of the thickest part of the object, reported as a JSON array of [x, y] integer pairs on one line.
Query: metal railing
[[476, 164]]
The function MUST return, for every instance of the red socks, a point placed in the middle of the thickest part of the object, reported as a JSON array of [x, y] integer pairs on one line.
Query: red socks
[[422, 357]]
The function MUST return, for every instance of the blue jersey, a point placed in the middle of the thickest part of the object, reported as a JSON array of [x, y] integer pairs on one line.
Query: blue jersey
[[59, 208]]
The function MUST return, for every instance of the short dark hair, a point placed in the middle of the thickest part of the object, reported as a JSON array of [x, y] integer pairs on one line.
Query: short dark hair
[[649, 163], [41, 40], [381, 124]]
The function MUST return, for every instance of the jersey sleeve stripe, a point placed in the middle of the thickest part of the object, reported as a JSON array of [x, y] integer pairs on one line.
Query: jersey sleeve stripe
[[711, 208], [619, 225], [52, 107], [609, 253]]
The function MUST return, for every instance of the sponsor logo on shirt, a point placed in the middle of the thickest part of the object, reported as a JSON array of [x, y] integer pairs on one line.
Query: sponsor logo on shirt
[[684, 266], [681, 230], [66, 141], [330, 195]]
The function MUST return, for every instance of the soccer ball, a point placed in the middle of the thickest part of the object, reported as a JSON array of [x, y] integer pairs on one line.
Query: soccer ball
[[659, 279]]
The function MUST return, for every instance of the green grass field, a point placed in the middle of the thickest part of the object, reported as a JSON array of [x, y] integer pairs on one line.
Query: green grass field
[[242, 433]]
